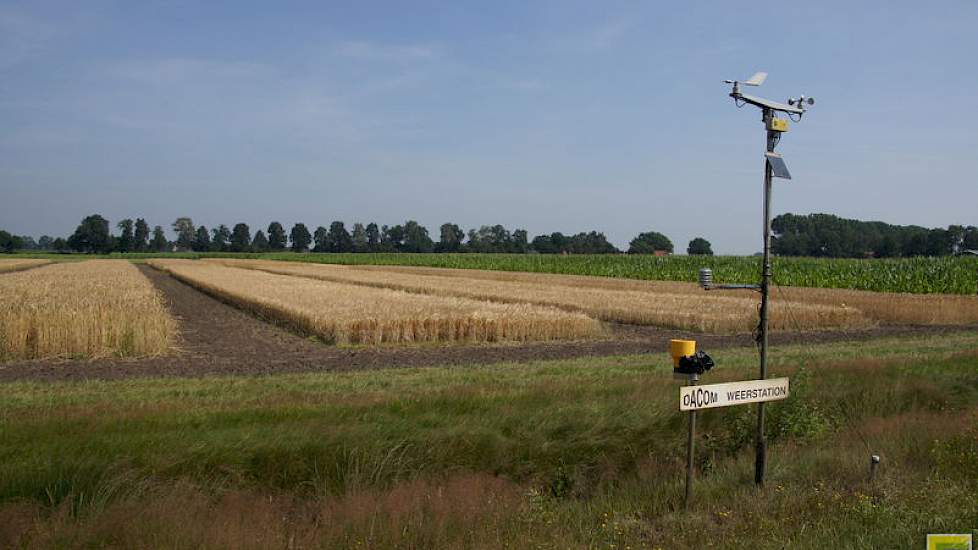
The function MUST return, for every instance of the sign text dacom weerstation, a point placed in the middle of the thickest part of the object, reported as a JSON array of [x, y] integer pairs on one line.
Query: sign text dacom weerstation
[[692, 398]]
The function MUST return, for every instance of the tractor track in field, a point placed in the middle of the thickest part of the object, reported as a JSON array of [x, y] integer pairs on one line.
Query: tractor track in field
[[217, 339]]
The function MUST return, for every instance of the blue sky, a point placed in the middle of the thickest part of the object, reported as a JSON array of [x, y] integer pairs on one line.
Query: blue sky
[[549, 116]]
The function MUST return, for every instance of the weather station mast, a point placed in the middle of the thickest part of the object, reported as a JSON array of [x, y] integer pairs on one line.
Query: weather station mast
[[774, 167]]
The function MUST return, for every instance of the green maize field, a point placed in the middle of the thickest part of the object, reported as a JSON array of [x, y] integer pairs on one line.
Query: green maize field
[[947, 275]]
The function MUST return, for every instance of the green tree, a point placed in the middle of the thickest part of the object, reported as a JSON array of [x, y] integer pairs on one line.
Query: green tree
[[185, 230], [320, 239], [699, 247], [593, 242], [300, 237], [391, 238], [276, 236], [28, 243], [220, 238], [260, 242], [373, 237], [649, 242], [489, 239], [202, 240], [360, 241], [60, 244], [126, 240], [91, 236], [159, 243], [970, 239], [338, 239], [416, 238], [451, 237], [8, 242], [240, 238], [955, 235], [140, 236], [521, 243], [555, 243], [44, 243], [826, 235]]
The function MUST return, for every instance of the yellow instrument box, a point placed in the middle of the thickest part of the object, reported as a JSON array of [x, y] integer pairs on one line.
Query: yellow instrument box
[[777, 125]]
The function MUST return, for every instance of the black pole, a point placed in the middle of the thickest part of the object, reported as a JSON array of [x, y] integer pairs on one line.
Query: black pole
[[761, 451]]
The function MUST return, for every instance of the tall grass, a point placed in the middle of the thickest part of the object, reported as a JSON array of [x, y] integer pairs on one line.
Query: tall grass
[[349, 314], [580, 453], [82, 309], [698, 311]]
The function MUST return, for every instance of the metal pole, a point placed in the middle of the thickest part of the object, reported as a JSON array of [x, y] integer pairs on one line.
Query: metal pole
[[690, 449], [761, 451]]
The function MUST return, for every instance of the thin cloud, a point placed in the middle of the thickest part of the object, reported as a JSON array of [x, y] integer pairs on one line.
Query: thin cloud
[[603, 37], [230, 100], [385, 52], [177, 70], [21, 37]]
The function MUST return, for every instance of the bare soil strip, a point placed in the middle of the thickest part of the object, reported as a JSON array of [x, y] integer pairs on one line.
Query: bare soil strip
[[217, 339]]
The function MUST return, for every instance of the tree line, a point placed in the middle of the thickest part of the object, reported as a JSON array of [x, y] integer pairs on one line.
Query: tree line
[[826, 235], [817, 235], [93, 235]]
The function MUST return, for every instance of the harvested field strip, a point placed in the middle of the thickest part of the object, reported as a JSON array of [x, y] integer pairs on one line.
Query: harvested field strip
[[891, 308], [10, 265], [701, 312], [883, 307], [351, 314], [85, 309]]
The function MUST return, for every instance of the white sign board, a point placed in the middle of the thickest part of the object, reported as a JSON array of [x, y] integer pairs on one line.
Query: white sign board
[[693, 398]]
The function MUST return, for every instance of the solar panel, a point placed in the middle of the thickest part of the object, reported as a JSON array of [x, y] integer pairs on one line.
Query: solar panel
[[778, 168]]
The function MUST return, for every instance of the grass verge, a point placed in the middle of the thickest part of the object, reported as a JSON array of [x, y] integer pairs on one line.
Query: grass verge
[[578, 453]]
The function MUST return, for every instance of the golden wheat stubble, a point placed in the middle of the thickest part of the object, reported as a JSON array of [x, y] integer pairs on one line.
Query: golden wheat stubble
[[637, 303], [353, 314]]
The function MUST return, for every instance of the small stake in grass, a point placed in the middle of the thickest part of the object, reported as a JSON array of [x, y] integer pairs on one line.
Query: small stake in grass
[[874, 462]]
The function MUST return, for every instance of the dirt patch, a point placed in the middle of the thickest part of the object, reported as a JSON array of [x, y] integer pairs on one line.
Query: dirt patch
[[217, 339]]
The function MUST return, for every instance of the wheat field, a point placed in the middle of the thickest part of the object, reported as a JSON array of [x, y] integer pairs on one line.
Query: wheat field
[[8, 265], [884, 307], [353, 314], [670, 308], [86, 309]]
